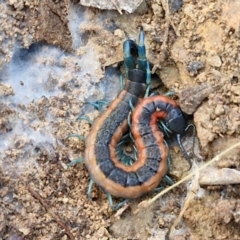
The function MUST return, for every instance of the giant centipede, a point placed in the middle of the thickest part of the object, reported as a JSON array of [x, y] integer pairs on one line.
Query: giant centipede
[[146, 173]]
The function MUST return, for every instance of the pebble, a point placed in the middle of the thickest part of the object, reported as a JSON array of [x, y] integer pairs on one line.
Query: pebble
[[214, 61], [119, 33], [129, 6], [219, 109], [236, 89], [215, 176], [175, 5]]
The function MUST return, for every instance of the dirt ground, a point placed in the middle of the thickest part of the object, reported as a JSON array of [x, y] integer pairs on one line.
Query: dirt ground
[[55, 56]]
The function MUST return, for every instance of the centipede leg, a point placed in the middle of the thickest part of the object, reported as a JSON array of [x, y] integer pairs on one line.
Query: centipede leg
[[168, 180], [85, 118], [164, 128], [165, 181], [89, 191], [99, 104], [123, 139], [121, 80], [115, 208], [158, 189], [169, 158], [131, 104], [75, 161], [169, 93], [80, 137]]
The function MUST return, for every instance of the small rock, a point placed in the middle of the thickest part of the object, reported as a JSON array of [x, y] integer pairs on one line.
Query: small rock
[[3, 223], [157, 9], [195, 66], [214, 61], [129, 6], [192, 96], [119, 33], [175, 5], [236, 89], [224, 176], [190, 11], [24, 230], [15, 237], [219, 109]]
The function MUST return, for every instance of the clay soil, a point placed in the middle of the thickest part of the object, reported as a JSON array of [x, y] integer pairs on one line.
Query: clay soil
[[195, 51]]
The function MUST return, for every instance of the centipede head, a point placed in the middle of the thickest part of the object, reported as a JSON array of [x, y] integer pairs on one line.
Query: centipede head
[[176, 121]]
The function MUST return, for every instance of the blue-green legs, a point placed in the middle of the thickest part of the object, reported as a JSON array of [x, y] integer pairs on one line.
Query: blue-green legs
[[115, 208], [99, 104]]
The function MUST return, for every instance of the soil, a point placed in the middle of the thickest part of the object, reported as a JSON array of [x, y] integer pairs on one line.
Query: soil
[[56, 56]]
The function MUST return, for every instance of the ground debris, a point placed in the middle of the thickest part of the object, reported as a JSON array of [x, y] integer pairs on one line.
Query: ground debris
[[128, 6]]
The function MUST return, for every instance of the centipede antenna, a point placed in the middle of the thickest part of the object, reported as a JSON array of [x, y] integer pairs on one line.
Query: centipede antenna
[[186, 156], [75, 161], [194, 134], [89, 191], [80, 137], [85, 118]]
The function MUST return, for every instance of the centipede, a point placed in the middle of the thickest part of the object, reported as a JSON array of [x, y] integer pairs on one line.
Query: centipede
[[100, 157]]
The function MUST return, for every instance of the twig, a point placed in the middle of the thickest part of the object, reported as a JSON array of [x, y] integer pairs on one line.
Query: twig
[[169, 22], [167, 17], [116, 6], [49, 210], [190, 196], [145, 204], [121, 210]]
